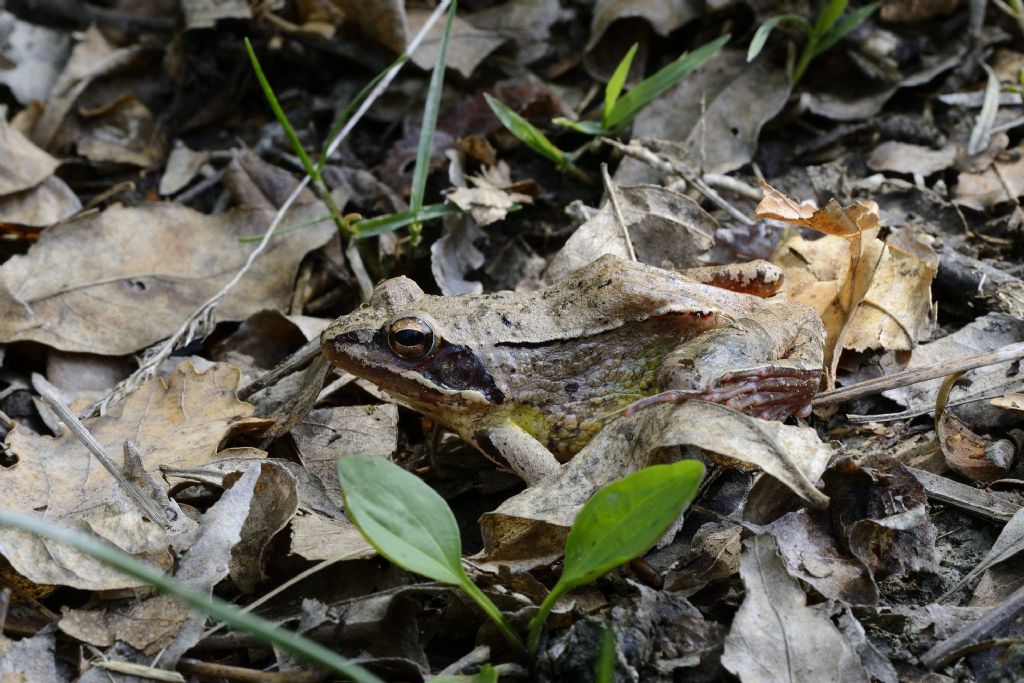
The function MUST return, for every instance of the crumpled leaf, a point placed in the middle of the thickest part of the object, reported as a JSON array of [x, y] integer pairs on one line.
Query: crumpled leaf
[[22, 164], [1003, 182], [869, 294], [164, 259], [468, 45], [971, 454], [45, 204], [880, 515], [29, 659], [382, 20], [491, 198], [123, 131], [775, 636], [666, 229], [179, 423], [525, 22], [602, 55], [530, 528]]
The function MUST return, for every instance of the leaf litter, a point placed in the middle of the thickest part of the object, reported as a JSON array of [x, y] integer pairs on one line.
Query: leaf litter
[[139, 167]]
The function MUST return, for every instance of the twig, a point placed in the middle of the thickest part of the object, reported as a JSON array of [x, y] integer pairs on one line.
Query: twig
[[198, 322], [212, 670], [915, 375], [613, 198], [993, 621]]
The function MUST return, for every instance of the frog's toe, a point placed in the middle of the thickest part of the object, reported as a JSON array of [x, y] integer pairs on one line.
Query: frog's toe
[[772, 393]]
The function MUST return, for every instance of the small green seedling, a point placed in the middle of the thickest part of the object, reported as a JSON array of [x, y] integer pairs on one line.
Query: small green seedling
[[258, 627], [417, 212], [617, 112], [826, 31], [412, 526]]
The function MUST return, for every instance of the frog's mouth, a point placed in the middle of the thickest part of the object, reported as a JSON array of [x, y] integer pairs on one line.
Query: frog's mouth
[[450, 375]]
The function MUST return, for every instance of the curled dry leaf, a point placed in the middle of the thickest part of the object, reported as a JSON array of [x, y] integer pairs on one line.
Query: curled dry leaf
[[530, 528], [666, 229], [603, 54], [869, 294], [775, 637], [970, 454], [45, 204], [149, 268], [179, 423]]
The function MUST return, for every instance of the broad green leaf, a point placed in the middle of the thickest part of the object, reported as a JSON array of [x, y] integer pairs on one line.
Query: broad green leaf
[[268, 92], [828, 15], [427, 128], [620, 522], [650, 88], [616, 82], [378, 225], [526, 132], [845, 26], [402, 517], [585, 127], [627, 517], [258, 627]]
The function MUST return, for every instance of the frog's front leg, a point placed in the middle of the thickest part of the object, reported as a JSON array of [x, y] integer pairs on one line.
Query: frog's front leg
[[509, 444], [768, 364]]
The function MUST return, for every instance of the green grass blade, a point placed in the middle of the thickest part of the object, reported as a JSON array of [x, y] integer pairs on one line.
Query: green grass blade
[[268, 92], [351, 107], [585, 127], [828, 15], [369, 227], [615, 84], [620, 522], [604, 672], [526, 132], [757, 43], [291, 227], [429, 125], [650, 88], [261, 629], [845, 26]]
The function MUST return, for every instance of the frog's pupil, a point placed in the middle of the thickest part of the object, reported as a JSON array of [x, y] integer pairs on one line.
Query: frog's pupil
[[409, 337]]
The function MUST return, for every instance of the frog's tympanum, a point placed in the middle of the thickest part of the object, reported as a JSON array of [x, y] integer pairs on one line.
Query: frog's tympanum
[[528, 378]]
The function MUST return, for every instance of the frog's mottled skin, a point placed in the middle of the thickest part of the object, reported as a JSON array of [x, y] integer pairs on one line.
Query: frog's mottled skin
[[558, 363]]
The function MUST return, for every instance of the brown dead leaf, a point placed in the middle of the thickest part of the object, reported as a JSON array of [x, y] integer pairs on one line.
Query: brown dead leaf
[[45, 204], [900, 157], [492, 196], [775, 637], [605, 48], [179, 423], [150, 267], [467, 47], [123, 131], [970, 454], [317, 538], [274, 502], [530, 528], [22, 164], [147, 625], [870, 295], [666, 229], [383, 21], [206, 13], [1003, 182], [182, 166], [525, 22]]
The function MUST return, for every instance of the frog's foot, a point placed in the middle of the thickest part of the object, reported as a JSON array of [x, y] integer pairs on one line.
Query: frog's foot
[[771, 393]]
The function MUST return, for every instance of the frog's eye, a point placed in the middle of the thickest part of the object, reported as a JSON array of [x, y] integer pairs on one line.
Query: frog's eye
[[410, 338]]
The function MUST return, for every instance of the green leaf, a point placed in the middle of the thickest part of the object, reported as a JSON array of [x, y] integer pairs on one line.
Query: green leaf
[[268, 92], [616, 82], [378, 225], [402, 517], [647, 90], [828, 15], [410, 525], [757, 43], [586, 127], [427, 128], [620, 522], [259, 628], [845, 26], [526, 132]]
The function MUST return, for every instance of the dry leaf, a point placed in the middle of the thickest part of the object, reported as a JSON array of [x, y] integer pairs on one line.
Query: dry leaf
[[33, 57], [206, 13], [179, 423], [900, 157], [149, 268], [1003, 182], [666, 229], [317, 538], [775, 637], [492, 197], [467, 45], [22, 164], [182, 166], [530, 528], [970, 454], [48, 203], [381, 20]]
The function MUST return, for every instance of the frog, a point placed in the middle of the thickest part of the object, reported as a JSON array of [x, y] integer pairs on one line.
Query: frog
[[529, 377]]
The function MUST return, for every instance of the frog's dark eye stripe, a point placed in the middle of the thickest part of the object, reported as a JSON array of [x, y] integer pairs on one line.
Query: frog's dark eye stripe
[[411, 338]]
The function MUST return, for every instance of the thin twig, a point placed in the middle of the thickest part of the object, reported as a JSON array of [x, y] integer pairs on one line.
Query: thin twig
[[613, 198], [198, 322], [916, 375]]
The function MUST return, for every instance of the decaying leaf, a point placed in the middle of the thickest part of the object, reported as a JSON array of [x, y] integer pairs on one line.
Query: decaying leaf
[[179, 423], [45, 204], [775, 637], [530, 528], [970, 454], [29, 659], [468, 45], [881, 516], [149, 268], [605, 48], [665, 228], [22, 164], [916, 160], [491, 198], [33, 56], [316, 538], [1003, 182]]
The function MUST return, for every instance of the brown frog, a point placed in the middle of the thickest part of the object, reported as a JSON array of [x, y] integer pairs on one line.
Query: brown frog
[[528, 378]]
